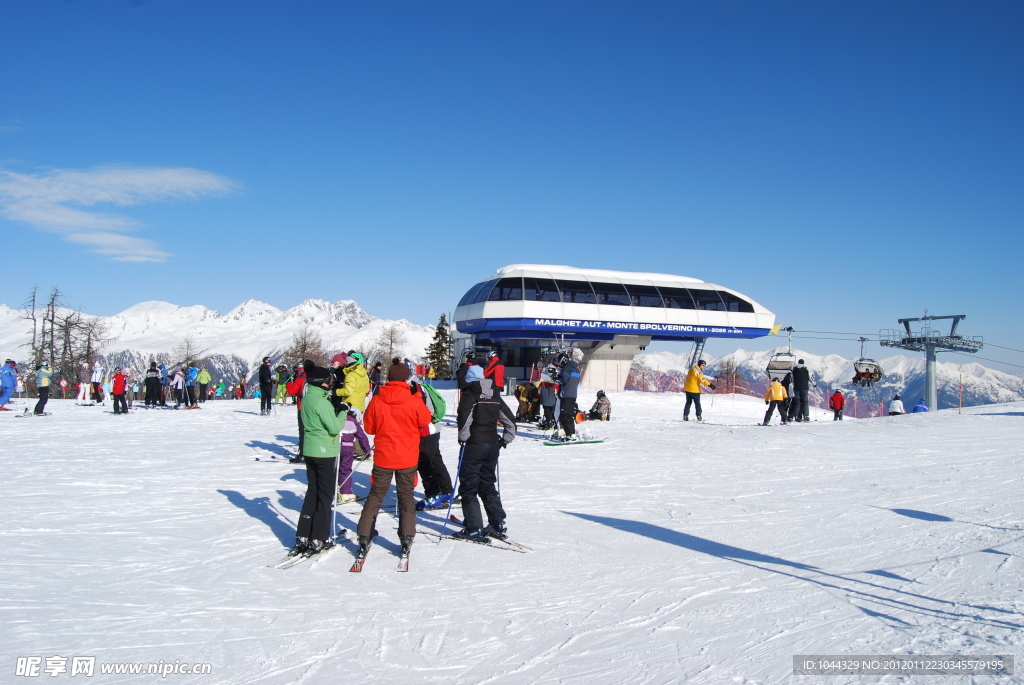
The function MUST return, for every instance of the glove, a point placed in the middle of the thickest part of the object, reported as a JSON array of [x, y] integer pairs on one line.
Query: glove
[[502, 445], [712, 386], [767, 402]]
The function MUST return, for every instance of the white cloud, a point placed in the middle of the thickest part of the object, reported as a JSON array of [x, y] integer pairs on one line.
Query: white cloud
[[49, 202]]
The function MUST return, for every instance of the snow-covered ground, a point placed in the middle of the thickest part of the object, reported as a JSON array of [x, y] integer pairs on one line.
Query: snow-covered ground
[[674, 552]]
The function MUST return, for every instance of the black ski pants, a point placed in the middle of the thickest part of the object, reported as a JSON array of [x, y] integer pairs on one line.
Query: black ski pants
[[433, 472], [567, 417], [120, 405], [478, 477], [203, 389], [266, 397], [837, 414], [781, 404], [44, 395], [799, 409], [692, 398], [152, 392], [315, 517], [380, 483]]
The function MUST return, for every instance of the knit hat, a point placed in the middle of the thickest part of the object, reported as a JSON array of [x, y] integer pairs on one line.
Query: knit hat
[[474, 373], [340, 358], [317, 375], [398, 372]]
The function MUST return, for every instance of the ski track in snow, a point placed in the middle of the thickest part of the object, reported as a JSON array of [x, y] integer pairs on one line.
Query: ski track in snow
[[674, 552]]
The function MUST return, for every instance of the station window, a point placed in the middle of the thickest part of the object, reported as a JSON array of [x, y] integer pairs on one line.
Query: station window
[[578, 292], [540, 290], [507, 289], [708, 300], [735, 304], [470, 297], [611, 293], [485, 290], [677, 298], [644, 295]]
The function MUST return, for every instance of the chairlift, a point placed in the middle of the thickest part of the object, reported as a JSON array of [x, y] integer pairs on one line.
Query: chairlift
[[866, 372], [782, 363]]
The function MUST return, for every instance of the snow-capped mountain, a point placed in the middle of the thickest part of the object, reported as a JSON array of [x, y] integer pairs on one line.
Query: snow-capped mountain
[[904, 375], [232, 343]]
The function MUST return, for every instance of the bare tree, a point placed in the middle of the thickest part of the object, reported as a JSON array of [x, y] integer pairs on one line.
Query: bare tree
[[388, 344], [188, 351], [307, 344]]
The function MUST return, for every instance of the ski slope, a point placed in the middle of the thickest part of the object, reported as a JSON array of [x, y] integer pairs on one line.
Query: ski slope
[[674, 552]]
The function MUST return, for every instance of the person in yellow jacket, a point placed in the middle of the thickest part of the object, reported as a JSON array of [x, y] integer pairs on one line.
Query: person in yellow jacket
[[357, 383], [694, 379], [775, 396]]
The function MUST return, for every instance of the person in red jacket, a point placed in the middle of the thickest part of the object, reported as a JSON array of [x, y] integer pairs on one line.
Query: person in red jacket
[[395, 418], [117, 389], [836, 404], [294, 387], [495, 370]]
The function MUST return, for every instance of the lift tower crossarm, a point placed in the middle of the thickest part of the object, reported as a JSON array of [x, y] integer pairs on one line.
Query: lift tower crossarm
[[957, 318]]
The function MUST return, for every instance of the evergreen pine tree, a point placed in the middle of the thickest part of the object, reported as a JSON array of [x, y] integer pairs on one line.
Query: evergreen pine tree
[[439, 352]]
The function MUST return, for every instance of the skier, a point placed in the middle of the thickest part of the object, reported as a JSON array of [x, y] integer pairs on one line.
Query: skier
[[83, 384], [118, 391], [602, 409], [204, 378], [191, 376], [799, 407], [164, 381], [495, 370], [152, 385], [356, 381], [775, 397], [437, 483], [266, 387], [321, 454], [480, 410], [375, 375], [281, 395], [836, 404], [395, 417], [43, 375], [177, 386], [97, 382], [350, 433], [8, 382], [694, 379], [295, 389], [896, 407], [568, 380], [920, 407]]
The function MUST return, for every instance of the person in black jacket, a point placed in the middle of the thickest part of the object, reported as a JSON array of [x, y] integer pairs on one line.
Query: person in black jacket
[[569, 382], [480, 410], [152, 385], [267, 378], [799, 407]]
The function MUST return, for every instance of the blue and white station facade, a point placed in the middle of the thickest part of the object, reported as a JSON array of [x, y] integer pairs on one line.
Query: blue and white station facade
[[526, 310]]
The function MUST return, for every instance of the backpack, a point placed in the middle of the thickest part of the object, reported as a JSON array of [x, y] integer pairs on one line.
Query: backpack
[[440, 408]]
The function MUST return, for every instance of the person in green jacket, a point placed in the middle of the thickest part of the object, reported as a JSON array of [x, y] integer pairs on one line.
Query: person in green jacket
[[203, 379], [320, 450]]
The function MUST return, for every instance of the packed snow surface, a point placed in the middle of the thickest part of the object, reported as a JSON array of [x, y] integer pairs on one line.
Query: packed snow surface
[[673, 552]]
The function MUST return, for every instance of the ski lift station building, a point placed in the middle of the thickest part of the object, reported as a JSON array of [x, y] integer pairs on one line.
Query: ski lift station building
[[528, 311]]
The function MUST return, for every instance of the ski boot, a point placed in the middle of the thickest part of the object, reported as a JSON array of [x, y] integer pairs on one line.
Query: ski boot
[[496, 530], [406, 543], [474, 535], [301, 545]]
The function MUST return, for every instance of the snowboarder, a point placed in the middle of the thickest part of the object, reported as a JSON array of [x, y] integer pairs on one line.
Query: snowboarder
[[43, 375], [896, 406], [920, 407], [480, 410], [836, 404], [395, 417], [568, 380], [321, 455], [694, 380], [602, 409], [775, 397]]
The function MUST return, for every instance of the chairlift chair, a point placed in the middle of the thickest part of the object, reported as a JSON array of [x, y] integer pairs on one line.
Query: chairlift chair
[[866, 372], [782, 363]]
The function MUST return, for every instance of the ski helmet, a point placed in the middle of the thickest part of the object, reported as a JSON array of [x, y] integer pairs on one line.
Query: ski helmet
[[266, 360]]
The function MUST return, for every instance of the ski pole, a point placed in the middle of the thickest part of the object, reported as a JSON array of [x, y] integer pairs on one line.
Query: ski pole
[[455, 488], [334, 501]]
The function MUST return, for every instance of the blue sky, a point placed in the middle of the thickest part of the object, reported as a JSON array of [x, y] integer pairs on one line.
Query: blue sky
[[846, 164]]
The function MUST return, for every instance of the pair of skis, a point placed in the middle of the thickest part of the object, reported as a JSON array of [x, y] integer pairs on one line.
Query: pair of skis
[[293, 560], [503, 542]]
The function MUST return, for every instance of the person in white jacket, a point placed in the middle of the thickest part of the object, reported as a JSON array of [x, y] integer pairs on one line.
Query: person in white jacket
[[896, 407], [97, 382]]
